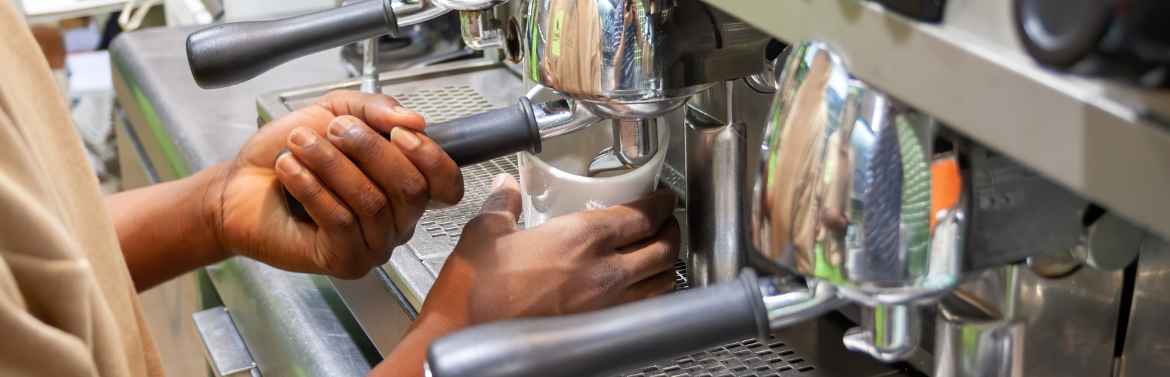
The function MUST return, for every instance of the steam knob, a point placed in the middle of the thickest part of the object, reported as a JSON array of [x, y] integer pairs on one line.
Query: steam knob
[[1126, 39]]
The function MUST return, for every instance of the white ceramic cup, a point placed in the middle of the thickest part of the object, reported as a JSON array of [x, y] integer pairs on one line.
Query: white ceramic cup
[[555, 182]]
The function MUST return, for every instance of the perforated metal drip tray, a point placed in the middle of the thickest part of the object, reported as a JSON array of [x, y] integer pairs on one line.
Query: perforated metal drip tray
[[456, 91], [746, 358]]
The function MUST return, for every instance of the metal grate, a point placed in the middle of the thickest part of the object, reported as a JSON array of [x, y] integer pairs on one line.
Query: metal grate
[[442, 104], [445, 103], [447, 223], [680, 275], [748, 358]]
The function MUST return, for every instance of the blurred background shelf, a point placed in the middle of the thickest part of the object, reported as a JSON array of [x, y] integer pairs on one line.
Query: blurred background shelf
[[1105, 140]]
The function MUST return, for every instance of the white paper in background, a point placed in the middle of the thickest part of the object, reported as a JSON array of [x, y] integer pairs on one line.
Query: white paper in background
[[89, 72], [83, 38], [34, 8], [189, 12]]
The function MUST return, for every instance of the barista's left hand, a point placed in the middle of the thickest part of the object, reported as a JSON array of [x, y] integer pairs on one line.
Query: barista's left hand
[[364, 191]]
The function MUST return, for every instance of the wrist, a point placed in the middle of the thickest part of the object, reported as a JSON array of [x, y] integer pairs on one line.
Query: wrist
[[207, 208], [448, 304], [434, 325]]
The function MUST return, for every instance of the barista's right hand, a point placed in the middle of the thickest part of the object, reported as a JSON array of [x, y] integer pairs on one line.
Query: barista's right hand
[[573, 263]]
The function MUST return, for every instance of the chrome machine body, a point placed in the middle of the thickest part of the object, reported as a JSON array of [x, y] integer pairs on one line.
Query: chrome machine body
[[846, 195], [815, 184]]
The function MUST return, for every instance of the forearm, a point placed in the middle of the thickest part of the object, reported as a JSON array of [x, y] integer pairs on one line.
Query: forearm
[[446, 311], [168, 229], [408, 357]]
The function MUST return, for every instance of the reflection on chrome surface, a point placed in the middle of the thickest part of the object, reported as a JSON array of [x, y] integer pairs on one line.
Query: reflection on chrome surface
[[625, 58], [850, 190]]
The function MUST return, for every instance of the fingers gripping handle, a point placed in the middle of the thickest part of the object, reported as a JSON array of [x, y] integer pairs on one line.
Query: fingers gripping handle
[[488, 135], [231, 53], [606, 341], [474, 139]]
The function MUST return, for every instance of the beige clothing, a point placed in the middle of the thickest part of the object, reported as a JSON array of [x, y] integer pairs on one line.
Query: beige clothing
[[67, 304]]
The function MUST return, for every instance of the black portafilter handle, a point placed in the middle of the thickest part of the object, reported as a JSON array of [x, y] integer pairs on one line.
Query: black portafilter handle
[[473, 139], [231, 53], [606, 341]]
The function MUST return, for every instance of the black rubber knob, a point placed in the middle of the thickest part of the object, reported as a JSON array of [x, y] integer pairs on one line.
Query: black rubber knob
[[473, 139], [921, 10], [1060, 33], [488, 135], [231, 53], [607, 341], [1128, 40]]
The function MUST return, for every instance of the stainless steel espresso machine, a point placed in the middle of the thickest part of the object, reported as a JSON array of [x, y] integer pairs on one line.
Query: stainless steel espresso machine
[[818, 185]]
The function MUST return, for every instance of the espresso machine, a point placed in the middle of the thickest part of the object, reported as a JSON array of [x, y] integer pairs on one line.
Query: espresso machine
[[815, 187]]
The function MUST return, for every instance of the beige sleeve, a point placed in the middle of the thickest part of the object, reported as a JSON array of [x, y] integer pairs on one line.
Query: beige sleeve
[[43, 294], [33, 346], [67, 303]]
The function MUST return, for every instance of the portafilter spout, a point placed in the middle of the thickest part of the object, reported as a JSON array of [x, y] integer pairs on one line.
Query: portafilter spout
[[635, 142]]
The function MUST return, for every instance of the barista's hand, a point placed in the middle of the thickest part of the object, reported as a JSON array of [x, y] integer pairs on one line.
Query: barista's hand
[[574, 263], [364, 192]]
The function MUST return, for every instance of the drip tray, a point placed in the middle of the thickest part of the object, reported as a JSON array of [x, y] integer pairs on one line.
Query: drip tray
[[456, 90], [809, 349], [747, 358]]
